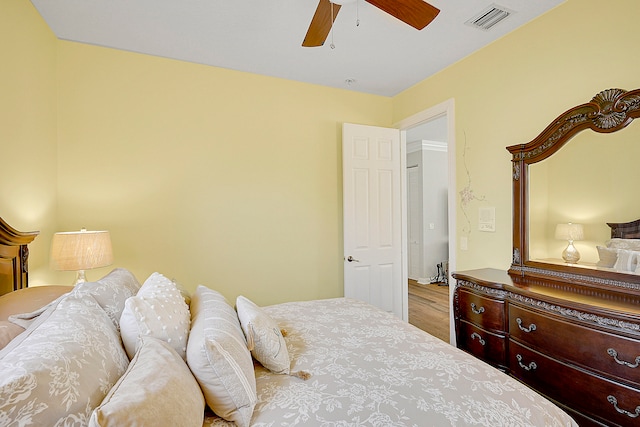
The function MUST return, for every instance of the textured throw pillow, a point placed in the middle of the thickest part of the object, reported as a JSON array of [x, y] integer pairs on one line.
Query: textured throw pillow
[[264, 337], [62, 367], [111, 291], [157, 389], [608, 256], [627, 260], [158, 310], [219, 359]]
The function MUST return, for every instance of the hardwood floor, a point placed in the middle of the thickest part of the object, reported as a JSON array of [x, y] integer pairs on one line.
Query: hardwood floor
[[429, 308]]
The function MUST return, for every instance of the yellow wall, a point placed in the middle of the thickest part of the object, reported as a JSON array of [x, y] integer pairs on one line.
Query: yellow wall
[[510, 91], [234, 180], [207, 175], [28, 126]]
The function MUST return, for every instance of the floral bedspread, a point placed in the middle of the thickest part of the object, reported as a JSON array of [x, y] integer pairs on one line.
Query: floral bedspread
[[369, 368]]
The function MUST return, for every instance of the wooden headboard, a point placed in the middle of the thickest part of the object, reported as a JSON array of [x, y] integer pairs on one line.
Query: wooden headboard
[[14, 257], [625, 230]]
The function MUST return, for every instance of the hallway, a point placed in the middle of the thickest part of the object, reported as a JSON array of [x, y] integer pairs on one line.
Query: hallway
[[429, 308]]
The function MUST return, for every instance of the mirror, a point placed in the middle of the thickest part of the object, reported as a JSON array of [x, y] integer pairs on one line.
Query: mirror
[[580, 169], [590, 181]]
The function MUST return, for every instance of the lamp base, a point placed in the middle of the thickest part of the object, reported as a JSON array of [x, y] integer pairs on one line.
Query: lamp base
[[80, 277], [571, 255]]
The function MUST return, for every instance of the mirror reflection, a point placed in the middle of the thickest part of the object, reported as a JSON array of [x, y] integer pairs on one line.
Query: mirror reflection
[[591, 180]]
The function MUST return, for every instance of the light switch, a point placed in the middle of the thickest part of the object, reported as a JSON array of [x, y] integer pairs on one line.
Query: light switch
[[464, 243], [487, 219]]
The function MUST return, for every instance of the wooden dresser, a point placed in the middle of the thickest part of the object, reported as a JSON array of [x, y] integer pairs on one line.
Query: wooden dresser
[[569, 329], [581, 349]]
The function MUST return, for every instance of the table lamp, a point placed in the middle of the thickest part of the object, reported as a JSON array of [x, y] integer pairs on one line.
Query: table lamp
[[81, 250]]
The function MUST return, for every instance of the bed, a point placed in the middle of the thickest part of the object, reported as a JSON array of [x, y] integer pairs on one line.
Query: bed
[[120, 352]]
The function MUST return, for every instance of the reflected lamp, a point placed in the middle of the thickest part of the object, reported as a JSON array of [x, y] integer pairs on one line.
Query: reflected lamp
[[570, 232]]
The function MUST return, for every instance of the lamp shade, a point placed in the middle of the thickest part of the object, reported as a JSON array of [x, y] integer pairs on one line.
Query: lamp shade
[[81, 250], [569, 231]]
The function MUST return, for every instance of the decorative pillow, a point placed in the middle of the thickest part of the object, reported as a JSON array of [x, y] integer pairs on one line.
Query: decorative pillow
[[158, 310], [62, 367], [157, 389], [8, 331], [631, 244], [264, 338], [608, 256], [111, 291], [219, 359], [627, 260]]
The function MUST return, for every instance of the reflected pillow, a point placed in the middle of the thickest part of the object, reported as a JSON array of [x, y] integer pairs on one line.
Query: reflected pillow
[[608, 256], [631, 244], [627, 260]]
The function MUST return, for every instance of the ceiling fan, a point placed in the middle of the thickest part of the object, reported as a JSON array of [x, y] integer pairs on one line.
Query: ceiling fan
[[416, 13]]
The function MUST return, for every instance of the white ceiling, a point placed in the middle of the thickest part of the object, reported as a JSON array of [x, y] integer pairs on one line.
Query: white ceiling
[[382, 55]]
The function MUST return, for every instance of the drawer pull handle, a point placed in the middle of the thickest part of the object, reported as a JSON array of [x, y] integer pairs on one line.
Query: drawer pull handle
[[476, 310], [614, 354], [530, 367], [531, 327], [614, 402], [477, 335]]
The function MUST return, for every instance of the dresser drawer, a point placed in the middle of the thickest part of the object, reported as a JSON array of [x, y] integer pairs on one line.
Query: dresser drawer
[[485, 312], [612, 355], [484, 345], [614, 404]]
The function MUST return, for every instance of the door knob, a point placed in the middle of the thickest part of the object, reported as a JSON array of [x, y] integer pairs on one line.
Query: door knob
[[352, 259]]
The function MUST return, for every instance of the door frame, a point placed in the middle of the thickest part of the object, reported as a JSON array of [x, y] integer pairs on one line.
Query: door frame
[[445, 108]]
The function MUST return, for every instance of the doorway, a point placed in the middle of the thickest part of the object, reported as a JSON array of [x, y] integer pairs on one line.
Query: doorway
[[433, 129]]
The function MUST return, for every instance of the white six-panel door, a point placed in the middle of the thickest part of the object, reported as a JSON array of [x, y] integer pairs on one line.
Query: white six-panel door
[[372, 216]]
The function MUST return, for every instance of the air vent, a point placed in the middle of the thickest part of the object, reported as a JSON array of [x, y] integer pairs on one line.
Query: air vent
[[489, 17]]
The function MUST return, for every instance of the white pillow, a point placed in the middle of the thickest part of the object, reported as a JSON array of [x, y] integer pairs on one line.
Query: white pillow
[[157, 390], [627, 260], [264, 337], [608, 256], [159, 311], [62, 367], [219, 359], [111, 291]]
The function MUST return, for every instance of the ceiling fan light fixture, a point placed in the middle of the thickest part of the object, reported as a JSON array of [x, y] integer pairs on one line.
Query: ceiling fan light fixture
[[416, 13]]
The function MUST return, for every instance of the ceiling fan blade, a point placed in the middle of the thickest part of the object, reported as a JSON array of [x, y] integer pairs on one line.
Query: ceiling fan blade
[[416, 13], [320, 24]]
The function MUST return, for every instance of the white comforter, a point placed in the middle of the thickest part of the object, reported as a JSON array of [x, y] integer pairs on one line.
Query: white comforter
[[369, 368]]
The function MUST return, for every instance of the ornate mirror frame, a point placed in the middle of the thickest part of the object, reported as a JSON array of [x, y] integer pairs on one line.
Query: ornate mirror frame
[[608, 111]]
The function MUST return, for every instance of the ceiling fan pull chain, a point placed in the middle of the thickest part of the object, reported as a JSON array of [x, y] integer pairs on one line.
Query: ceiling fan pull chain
[[333, 17], [357, 13]]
